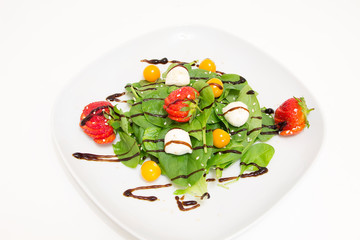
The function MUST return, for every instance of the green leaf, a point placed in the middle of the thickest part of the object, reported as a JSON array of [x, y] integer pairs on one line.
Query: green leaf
[[185, 170], [227, 155], [152, 107], [268, 127], [260, 153], [127, 150], [197, 190], [150, 136]]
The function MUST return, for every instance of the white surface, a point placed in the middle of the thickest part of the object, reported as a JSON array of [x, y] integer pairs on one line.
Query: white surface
[[43, 44], [227, 212]]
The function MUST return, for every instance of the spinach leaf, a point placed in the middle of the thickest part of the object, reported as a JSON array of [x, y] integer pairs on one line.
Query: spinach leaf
[[227, 155], [137, 115], [260, 153], [207, 100], [127, 150], [254, 123], [138, 132], [149, 140], [202, 74], [152, 107], [268, 127], [184, 170]]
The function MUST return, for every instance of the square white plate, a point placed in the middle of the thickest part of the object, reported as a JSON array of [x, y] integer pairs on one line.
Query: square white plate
[[229, 211]]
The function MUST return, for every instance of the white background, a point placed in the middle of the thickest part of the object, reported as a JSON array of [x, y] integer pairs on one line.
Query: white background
[[43, 44]]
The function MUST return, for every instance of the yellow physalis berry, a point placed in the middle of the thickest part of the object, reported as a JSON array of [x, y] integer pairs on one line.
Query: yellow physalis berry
[[220, 138], [151, 73], [217, 86], [208, 65], [150, 171]]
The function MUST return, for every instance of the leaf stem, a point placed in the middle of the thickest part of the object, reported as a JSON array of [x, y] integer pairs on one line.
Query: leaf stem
[[134, 92], [204, 140]]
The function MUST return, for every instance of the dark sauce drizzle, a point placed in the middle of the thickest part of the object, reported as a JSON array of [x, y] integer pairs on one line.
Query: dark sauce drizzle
[[257, 117], [161, 61], [217, 85], [190, 174], [228, 151], [181, 204], [103, 158], [260, 171], [129, 192], [269, 111], [242, 80], [115, 97], [93, 113]]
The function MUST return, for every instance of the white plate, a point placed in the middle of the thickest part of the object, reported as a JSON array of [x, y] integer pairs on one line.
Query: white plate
[[229, 211]]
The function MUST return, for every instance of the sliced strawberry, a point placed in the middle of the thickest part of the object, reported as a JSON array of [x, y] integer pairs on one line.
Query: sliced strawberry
[[184, 93], [181, 104], [106, 140], [99, 133], [177, 109], [94, 105], [94, 123], [179, 119]]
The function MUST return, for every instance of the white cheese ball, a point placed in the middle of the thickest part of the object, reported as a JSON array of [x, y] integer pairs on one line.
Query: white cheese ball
[[177, 142], [236, 113], [178, 76]]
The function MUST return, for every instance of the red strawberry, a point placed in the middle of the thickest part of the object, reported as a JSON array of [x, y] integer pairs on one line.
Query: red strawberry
[[291, 116], [94, 123], [106, 140], [181, 104]]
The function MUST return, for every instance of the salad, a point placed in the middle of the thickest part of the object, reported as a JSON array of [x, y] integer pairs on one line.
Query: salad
[[187, 121]]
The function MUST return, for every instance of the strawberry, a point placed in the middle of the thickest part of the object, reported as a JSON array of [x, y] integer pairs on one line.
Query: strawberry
[[95, 124], [291, 116], [181, 104]]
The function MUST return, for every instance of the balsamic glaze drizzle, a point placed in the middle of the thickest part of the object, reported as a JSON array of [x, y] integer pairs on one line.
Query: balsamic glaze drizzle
[[129, 192], [93, 113], [190, 174], [115, 97], [103, 158]]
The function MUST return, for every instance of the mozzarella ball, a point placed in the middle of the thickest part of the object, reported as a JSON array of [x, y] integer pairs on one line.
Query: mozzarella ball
[[177, 142], [178, 76], [236, 113]]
